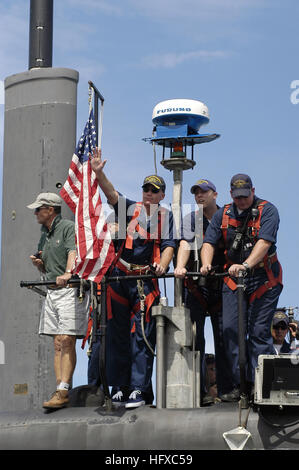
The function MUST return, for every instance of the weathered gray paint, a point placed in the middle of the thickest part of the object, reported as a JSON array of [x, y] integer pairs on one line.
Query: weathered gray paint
[[39, 140], [145, 428], [179, 372]]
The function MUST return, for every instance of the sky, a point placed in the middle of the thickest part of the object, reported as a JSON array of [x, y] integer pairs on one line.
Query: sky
[[237, 56]]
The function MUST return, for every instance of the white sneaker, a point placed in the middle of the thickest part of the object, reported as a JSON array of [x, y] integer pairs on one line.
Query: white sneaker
[[135, 400], [118, 397]]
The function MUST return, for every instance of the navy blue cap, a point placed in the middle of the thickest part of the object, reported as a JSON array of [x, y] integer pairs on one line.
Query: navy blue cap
[[203, 184], [156, 181], [241, 185], [280, 316]]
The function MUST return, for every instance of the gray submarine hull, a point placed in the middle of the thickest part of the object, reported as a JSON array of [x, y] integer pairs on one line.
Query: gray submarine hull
[[147, 428]]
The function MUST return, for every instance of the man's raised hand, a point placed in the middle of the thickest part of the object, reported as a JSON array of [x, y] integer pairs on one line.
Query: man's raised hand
[[97, 164]]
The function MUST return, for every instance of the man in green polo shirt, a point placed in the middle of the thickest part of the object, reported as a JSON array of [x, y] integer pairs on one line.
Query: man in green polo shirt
[[63, 316]]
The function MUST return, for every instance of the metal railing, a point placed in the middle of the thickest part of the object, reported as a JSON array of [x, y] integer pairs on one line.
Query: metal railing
[[103, 319]]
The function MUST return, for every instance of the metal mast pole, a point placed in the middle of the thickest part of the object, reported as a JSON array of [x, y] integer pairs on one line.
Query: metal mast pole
[[40, 33], [177, 165]]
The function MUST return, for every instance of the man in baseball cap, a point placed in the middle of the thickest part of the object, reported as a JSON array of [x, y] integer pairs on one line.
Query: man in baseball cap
[[280, 327], [63, 316], [204, 185], [203, 301], [129, 362], [280, 317], [247, 227]]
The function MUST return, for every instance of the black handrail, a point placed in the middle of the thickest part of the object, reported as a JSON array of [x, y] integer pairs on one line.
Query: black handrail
[[103, 319]]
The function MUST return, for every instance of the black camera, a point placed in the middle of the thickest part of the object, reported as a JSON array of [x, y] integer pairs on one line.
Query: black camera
[[292, 320], [241, 231], [237, 241]]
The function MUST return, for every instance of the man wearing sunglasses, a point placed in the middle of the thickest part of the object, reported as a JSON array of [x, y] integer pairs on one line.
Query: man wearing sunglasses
[[145, 240], [63, 316], [279, 329]]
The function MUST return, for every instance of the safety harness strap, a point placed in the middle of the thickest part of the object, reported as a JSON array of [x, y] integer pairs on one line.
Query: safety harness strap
[[135, 227], [267, 261], [272, 281], [90, 319], [89, 327], [228, 221], [111, 294], [193, 289], [149, 300], [132, 227]]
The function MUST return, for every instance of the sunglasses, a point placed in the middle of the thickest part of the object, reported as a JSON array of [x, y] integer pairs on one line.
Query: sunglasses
[[146, 189], [280, 327], [42, 207]]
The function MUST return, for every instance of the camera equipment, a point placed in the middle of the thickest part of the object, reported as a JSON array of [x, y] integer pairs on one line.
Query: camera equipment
[[237, 240], [291, 315], [241, 231], [277, 380], [243, 242]]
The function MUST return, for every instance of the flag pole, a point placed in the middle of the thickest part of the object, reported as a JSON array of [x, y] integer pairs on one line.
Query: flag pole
[[98, 96], [90, 98], [101, 125]]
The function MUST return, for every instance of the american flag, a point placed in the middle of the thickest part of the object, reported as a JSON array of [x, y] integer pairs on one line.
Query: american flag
[[95, 249]]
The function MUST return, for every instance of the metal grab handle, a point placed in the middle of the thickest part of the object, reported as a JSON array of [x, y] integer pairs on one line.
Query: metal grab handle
[[108, 279], [163, 276]]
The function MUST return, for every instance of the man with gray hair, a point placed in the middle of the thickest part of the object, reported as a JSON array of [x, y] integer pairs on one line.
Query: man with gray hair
[[63, 316]]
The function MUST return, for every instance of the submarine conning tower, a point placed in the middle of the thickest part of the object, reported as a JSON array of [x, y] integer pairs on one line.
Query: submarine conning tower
[[39, 140]]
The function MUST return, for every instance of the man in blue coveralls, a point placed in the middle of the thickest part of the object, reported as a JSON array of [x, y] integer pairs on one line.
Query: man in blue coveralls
[[146, 237], [248, 228], [203, 300]]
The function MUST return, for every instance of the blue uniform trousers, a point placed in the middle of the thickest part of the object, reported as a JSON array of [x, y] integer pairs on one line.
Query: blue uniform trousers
[[198, 313], [258, 319], [129, 362], [93, 371]]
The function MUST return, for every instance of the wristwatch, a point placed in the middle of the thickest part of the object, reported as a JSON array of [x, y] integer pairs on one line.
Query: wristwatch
[[68, 271], [246, 266]]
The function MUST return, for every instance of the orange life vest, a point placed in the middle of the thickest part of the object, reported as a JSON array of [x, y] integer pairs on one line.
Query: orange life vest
[[135, 227], [268, 260]]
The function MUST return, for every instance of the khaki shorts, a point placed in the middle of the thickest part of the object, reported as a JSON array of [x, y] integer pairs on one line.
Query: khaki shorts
[[64, 314]]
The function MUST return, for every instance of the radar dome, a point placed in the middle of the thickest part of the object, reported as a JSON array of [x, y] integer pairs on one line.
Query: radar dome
[[194, 113]]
